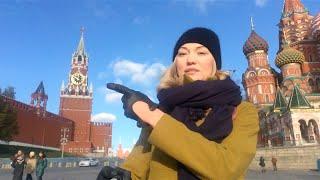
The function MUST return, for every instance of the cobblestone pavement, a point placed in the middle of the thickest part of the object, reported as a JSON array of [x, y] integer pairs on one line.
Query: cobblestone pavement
[[283, 175], [90, 173]]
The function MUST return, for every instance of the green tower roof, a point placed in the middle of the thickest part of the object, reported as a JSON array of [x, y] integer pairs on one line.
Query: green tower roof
[[289, 55], [298, 100], [280, 103]]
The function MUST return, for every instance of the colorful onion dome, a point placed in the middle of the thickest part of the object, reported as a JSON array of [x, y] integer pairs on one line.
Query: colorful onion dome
[[289, 55], [254, 43], [315, 27]]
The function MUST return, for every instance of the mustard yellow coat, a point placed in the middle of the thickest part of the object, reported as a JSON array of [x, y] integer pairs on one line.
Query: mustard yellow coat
[[171, 140]]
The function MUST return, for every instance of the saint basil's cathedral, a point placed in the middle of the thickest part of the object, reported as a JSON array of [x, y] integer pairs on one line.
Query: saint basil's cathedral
[[289, 100]]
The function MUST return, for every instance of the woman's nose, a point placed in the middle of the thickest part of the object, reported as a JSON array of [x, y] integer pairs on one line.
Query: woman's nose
[[191, 59]]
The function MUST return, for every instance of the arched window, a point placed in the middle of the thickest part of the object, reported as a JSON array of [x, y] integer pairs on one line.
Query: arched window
[[79, 58], [310, 82], [310, 58], [263, 72]]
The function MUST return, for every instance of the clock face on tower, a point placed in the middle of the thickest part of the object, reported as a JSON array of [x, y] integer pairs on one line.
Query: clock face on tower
[[77, 78]]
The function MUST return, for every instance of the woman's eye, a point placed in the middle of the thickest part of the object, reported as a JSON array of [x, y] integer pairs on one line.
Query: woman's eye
[[202, 53], [181, 53]]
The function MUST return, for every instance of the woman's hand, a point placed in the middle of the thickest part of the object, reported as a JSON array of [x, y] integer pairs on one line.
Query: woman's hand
[[142, 111], [150, 117]]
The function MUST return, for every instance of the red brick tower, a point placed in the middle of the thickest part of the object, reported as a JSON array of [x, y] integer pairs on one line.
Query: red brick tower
[[315, 34], [289, 60], [315, 30], [258, 80], [101, 136], [39, 100], [294, 28], [76, 100]]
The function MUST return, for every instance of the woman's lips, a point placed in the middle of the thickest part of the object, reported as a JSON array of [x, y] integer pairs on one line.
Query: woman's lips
[[191, 71]]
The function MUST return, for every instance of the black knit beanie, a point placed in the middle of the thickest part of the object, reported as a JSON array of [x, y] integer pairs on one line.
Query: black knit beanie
[[203, 36]]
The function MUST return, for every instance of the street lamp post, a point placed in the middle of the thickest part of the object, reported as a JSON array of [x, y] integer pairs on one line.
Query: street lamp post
[[64, 139]]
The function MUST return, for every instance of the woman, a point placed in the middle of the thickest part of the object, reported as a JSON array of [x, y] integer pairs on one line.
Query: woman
[[200, 129], [274, 163], [41, 165], [31, 165], [18, 163]]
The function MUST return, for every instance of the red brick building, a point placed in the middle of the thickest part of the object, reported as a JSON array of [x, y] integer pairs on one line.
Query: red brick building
[[76, 104], [36, 125]]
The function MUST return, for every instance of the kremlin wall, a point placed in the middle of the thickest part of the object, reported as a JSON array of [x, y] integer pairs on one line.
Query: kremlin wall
[[72, 127]]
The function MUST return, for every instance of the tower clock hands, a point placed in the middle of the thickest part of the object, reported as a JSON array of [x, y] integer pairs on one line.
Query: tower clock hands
[[79, 78]]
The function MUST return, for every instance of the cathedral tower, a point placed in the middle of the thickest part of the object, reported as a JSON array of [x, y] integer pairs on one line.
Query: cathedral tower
[[258, 80], [294, 29]]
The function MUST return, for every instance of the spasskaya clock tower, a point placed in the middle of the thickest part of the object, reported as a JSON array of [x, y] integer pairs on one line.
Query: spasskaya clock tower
[[76, 99]]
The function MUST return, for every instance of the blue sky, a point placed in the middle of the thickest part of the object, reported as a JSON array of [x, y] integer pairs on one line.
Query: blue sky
[[129, 42]]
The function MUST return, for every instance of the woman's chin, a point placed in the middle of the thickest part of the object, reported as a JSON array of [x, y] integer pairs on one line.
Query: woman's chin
[[195, 77]]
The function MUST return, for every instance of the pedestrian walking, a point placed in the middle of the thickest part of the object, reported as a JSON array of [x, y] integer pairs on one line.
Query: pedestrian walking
[[18, 163], [41, 165], [31, 165], [262, 164], [274, 163]]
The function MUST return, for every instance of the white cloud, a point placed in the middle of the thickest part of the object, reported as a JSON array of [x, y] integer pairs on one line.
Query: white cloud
[[261, 3], [112, 97], [138, 72], [127, 68], [103, 117]]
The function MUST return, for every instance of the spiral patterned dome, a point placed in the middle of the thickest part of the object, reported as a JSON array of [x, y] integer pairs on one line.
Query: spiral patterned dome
[[315, 27], [254, 43], [289, 55]]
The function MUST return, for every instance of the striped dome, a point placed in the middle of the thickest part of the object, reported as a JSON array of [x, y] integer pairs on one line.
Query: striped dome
[[289, 55], [254, 43], [315, 27]]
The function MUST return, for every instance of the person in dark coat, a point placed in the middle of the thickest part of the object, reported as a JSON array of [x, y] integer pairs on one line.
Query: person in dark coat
[[18, 163], [262, 164], [41, 165]]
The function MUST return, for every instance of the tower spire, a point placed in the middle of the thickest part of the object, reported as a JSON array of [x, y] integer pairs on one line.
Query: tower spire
[[292, 6], [252, 24], [39, 99], [81, 47]]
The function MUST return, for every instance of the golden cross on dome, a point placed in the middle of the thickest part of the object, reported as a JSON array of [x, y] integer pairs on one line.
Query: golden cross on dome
[[252, 25]]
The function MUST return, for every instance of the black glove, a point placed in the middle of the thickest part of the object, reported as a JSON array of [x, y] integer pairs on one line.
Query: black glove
[[108, 172], [129, 98]]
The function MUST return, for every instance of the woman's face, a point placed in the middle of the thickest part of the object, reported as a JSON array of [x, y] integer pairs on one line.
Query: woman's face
[[40, 154], [196, 61]]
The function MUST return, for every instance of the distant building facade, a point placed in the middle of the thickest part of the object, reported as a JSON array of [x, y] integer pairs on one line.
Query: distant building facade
[[289, 100]]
